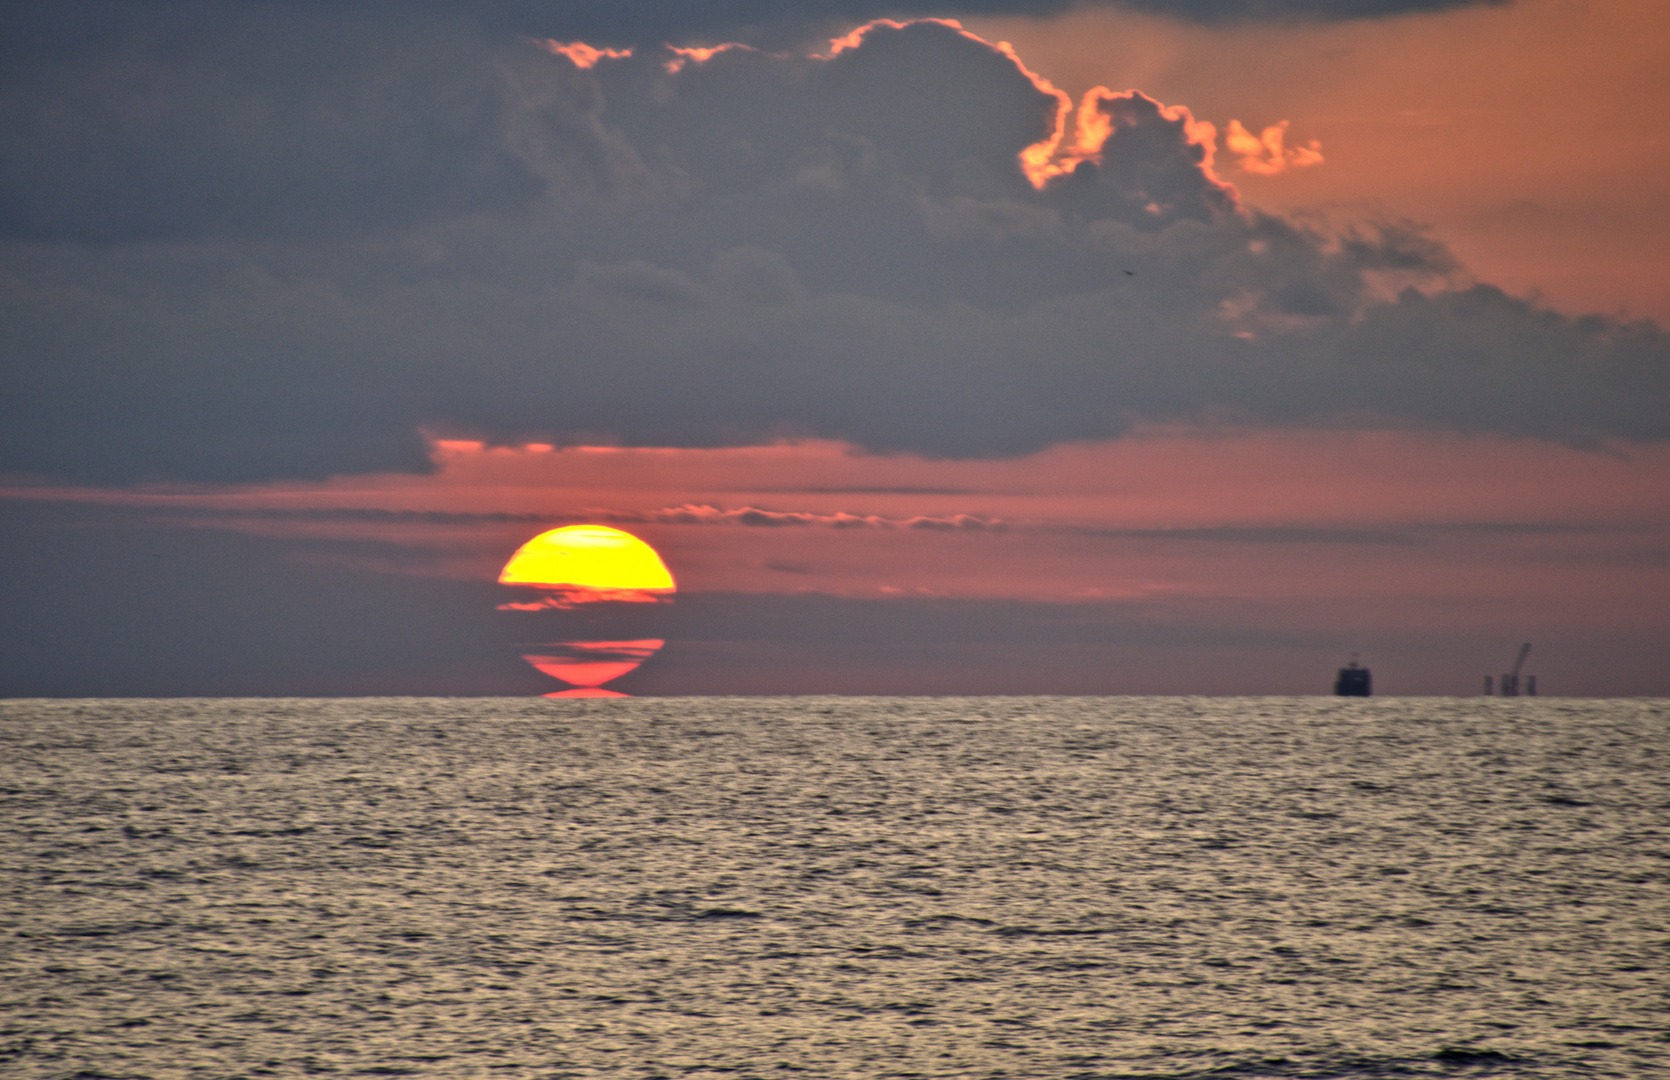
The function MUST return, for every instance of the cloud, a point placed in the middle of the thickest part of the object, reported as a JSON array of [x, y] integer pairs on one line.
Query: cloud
[[571, 597], [1265, 153], [692, 514], [583, 56], [318, 124], [772, 23], [277, 240]]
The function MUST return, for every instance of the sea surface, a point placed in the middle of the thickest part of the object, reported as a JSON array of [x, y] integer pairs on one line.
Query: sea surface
[[835, 887]]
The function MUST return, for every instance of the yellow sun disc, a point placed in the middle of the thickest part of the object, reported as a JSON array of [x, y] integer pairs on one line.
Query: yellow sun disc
[[588, 557]]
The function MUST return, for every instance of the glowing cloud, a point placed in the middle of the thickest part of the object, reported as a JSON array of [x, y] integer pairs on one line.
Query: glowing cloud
[[1093, 122], [703, 514], [1101, 113], [1264, 154], [698, 55], [570, 597], [856, 38], [1055, 155], [1038, 161], [584, 56]]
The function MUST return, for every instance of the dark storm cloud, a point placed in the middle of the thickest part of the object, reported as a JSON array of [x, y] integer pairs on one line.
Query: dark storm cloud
[[242, 241], [246, 123]]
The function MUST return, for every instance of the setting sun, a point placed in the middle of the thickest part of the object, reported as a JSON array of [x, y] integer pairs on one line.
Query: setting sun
[[588, 557], [583, 582]]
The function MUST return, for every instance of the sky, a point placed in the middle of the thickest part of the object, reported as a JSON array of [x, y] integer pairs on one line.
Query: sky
[[1172, 346]]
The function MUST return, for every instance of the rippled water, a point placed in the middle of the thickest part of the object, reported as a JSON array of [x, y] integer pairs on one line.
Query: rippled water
[[805, 887]]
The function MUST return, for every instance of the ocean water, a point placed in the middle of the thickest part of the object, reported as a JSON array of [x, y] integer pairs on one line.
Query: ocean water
[[836, 887]]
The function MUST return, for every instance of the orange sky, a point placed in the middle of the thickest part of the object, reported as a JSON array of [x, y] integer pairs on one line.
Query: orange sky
[[1529, 136], [1371, 533]]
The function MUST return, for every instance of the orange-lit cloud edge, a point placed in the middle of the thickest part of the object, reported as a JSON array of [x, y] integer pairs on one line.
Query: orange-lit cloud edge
[[583, 56], [1055, 155]]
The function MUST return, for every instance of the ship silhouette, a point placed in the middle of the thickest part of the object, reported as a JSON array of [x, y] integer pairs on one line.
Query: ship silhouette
[[1353, 681]]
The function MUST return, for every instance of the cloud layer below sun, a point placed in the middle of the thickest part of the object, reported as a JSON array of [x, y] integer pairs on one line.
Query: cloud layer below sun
[[285, 242]]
